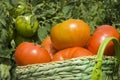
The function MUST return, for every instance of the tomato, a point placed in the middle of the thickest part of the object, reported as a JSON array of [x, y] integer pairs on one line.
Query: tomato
[[80, 52], [22, 8], [26, 25], [62, 55], [69, 53], [70, 33], [99, 35], [47, 44], [31, 53]]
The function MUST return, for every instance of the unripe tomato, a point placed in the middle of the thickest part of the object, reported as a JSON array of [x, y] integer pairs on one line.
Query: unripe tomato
[[26, 25], [70, 33], [21, 8], [99, 35], [31, 53], [69, 53]]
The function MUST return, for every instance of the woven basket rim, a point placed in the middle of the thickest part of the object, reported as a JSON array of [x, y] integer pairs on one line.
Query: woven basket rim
[[62, 67], [92, 58]]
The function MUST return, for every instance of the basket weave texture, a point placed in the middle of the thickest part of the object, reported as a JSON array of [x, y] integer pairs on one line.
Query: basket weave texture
[[82, 68], [73, 69]]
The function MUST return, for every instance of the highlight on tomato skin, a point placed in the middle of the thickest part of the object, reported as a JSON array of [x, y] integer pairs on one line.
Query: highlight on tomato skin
[[69, 53], [30, 53], [70, 33], [99, 35]]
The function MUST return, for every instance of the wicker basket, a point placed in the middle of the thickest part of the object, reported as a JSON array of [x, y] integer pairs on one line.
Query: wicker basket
[[97, 67]]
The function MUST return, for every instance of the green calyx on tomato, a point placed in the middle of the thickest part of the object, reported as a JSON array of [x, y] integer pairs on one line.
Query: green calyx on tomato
[[26, 25]]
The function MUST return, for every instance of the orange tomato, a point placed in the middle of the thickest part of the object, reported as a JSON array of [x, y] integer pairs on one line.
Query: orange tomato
[[69, 53], [47, 44], [70, 33]]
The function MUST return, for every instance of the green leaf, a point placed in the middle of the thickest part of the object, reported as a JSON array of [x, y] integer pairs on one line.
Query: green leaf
[[67, 11], [3, 36], [42, 33], [2, 21], [5, 68]]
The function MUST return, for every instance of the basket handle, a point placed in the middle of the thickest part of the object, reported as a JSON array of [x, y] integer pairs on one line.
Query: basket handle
[[97, 73]]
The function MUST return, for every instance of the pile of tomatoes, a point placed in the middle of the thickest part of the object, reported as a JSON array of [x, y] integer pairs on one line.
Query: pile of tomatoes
[[69, 39]]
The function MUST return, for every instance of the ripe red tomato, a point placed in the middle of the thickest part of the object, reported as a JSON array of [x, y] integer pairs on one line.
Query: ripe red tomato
[[100, 34], [47, 44], [70, 33], [31, 53], [80, 52], [69, 53]]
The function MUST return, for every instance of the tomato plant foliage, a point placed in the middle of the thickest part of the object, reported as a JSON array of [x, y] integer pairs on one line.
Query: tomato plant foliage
[[6, 33]]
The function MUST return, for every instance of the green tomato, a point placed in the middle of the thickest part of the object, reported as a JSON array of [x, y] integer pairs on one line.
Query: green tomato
[[19, 10], [22, 8], [26, 25]]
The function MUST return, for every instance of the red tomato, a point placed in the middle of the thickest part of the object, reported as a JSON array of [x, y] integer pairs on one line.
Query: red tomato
[[80, 52], [47, 44], [69, 53], [70, 33], [100, 34], [31, 53]]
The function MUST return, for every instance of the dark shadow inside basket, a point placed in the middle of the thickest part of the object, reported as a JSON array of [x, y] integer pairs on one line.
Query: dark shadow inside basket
[[97, 67]]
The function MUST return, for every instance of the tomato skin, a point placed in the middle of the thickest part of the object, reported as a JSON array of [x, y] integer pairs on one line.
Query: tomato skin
[[69, 53], [22, 8], [47, 44], [70, 33], [25, 26], [80, 52], [31, 53], [62, 55], [19, 10], [99, 35]]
